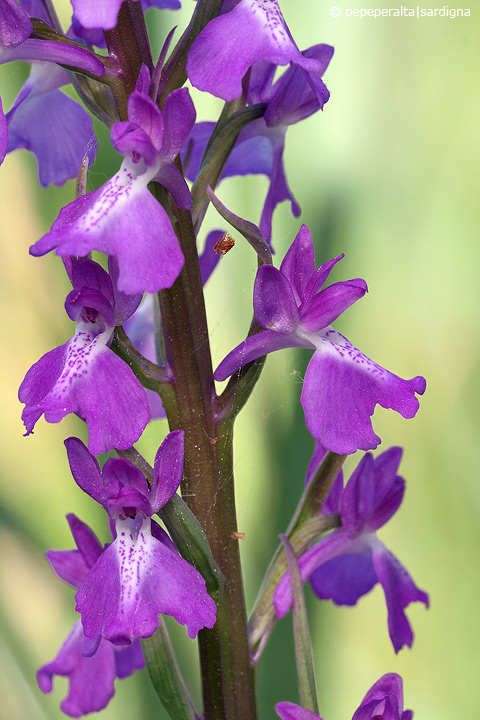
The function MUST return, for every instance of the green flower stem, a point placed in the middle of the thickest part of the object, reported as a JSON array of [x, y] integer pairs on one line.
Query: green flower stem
[[165, 675], [208, 487]]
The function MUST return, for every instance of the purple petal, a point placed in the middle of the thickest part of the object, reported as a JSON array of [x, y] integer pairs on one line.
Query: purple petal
[[209, 259], [331, 302], [293, 97], [388, 688], [56, 130], [298, 265], [358, 498], [400, 591], [253, 348], [194, 148], [345, 578], [121, 473], [334, 544], [63, 53], [254, 30], [319, 278], [290, 711], [128, 659], [90, 678], [15, 25], [97, 15], [179, 115], [273, 301], [72, 565], [167, 469], [85, 469], [134, 580], [128, 139], [146, 114], [3, 134], [340, 391], [122, 218], [125, 305], [39, 382], [171, 178], [278, 190], [87, 273]]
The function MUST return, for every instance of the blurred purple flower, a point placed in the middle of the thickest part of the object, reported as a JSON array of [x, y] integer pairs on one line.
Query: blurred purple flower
[[348, 563], [342, 386], [103, 14]]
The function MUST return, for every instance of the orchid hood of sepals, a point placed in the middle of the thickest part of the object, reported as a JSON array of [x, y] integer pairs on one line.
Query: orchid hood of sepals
[[140, 574], [122, 218], [84, 376], [56, 129], [91, 677], [342, 386], [348, 563], [253, 31], [384, 701], [104, 13]]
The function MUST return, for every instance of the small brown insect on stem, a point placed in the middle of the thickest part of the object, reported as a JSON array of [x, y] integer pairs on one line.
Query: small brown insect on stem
[[238, 535], [223, 245]]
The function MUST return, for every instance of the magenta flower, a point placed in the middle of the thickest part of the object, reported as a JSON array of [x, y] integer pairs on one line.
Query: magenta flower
[[122, 218], [84, 376], [350, 561], [91, 677], [342, 386], [140, 574], [104, 13], [384, 701]]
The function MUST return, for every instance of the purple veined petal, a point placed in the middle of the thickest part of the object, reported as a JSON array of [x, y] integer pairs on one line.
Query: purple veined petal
[[125, 305], [119, 472], [81, 301], [334, 544], [273, 301], [173, 180], [122, 218], [253, 348], [298, 265], [253, 152], [85, 469], [290, 711], [278, 190], [253, 31], [97, 15], [91, 679], [358, 498], [15, 25], [389, 687], [179, 115], [167, 469], [85, 540], [146, 114], [260, 82], [330, 303], [344, 578], [341, 389], [56, 129], [3, 134], [135, 579], [88, 273], [293, 98], [128, 500], [39, 382], [64, 53], [400, 591]]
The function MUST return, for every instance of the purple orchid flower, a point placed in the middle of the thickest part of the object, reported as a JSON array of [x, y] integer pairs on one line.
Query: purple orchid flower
[[104, 13], [122, 218], [384, 701], [260, 146], [342, 386], [253, 31], [140, 574], [91, 677], [348, 563], [15, 25], [84, 376], [56, 129]]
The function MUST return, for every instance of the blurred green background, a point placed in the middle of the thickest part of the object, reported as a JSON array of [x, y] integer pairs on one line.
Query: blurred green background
[[388, 174]]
